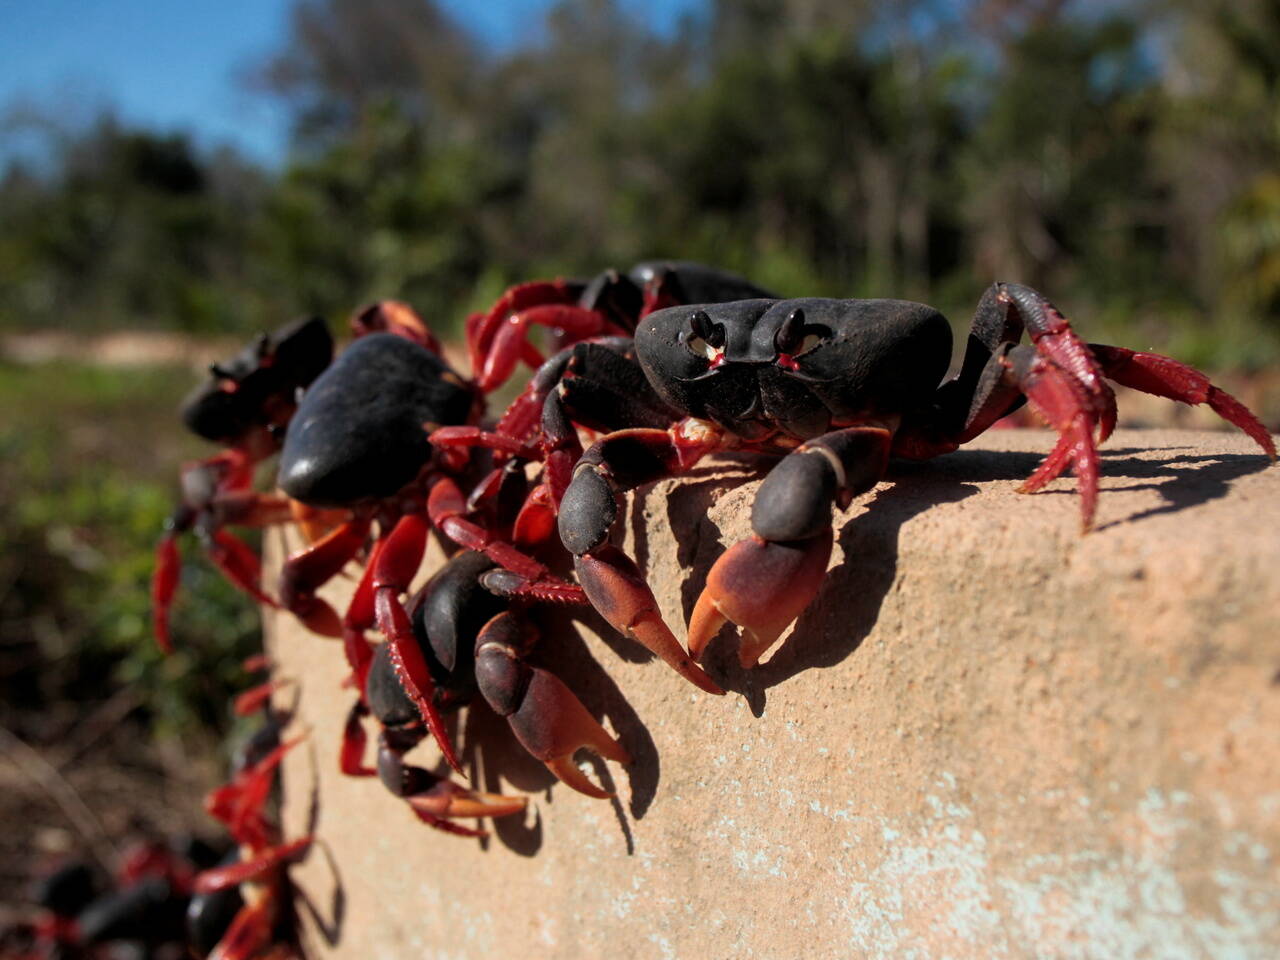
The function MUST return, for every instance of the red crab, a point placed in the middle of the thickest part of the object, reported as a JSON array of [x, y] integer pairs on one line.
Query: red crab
[[244, 406], [833, 387], [360, 442], [242, 909]]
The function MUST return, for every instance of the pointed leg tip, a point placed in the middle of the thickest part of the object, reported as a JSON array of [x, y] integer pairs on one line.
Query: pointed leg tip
[[762, 587], [652, 632], [567, 772], [704, 623]]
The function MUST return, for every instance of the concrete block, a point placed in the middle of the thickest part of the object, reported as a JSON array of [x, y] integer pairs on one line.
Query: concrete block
[[989, 737]]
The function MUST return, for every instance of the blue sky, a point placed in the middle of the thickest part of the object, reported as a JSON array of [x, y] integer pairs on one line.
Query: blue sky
[[174, 64]]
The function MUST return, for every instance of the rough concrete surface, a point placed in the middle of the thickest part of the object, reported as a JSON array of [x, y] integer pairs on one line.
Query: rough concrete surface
[[989, 737]]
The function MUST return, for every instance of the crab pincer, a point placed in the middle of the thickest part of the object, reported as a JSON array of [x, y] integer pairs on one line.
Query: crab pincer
[[546, 717], [468, 628], [764, 583]]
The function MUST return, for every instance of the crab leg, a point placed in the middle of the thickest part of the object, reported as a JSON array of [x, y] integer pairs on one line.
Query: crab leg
[[251, 700], [219, 878], [214, 495], [398, 560], [618, 462], [249, 933], [164, 584], [238, 564], [305, 571], [764, 583], [436, 800], [482, 329], [1078, 411], [448, 510], [505, 350], [354, 739], [548, 720], [239, 803], [1165, 377]]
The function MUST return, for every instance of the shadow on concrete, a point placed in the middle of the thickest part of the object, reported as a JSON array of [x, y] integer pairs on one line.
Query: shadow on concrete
[[830, 630], [1184, 481], [849, 602], [328, 926]]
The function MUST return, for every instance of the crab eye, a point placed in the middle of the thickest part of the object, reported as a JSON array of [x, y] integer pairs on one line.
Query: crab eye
[[794, 338], [701, 348], [704, 338]]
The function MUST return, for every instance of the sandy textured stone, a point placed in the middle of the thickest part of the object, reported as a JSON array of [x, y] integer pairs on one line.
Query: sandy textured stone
[[988, 737]]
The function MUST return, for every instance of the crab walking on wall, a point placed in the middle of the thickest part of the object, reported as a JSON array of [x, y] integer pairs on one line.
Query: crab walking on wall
[[389, 445]]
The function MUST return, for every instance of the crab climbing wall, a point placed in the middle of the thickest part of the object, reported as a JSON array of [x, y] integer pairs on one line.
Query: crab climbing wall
[[989, 737]]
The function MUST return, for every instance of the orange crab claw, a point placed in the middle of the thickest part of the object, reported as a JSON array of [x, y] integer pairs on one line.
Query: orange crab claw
[[761, 586], [617, 590]]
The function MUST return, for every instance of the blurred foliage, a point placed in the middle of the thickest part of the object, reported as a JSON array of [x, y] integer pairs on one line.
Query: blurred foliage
[[1120, 156], [85, 458]]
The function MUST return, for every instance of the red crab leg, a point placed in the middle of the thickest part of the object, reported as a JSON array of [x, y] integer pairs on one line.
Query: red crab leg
[[436, 800], [249, 933], [1165, 377], [251, 700], [256, 662], [1067, 406], [446, 799], [1051, 466], [548, 720], [467, 437], [164, 584], [239, 803], [482, 328], [447, 507], [398, 561], [354, 739], [239, 564], [505, 348], [531, 355], [234, 874], [305, 571], [361, 615], [536, 521]]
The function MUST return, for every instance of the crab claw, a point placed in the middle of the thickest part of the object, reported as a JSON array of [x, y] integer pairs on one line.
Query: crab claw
[[616, 589], [548, 720], [761, 586], [552, 724]]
